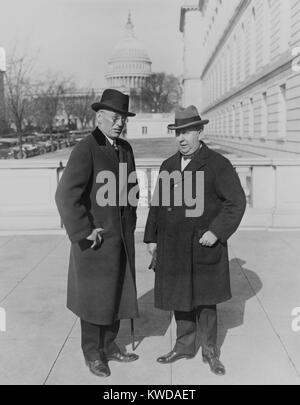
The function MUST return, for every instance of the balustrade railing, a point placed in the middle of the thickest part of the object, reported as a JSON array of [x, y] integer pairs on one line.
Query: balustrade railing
[[28, 188]]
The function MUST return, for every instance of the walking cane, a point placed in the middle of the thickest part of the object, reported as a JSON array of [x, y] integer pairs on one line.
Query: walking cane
[[132, 334]]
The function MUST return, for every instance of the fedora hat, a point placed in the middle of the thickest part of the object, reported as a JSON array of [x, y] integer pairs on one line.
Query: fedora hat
[[113, 100], [187, 118]]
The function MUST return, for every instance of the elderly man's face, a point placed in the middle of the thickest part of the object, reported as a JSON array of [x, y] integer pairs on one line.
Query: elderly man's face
[[188, 141], [111, 123]]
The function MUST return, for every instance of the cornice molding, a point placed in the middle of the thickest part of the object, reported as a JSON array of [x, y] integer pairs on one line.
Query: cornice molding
[[269, 72], [183, 10], [231, 25]]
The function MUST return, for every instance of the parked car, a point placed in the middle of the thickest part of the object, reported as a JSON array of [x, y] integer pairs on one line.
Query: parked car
[[44, 146], [4, 151]]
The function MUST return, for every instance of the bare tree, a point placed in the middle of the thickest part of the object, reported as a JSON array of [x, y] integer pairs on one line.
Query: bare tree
[[69, 100], [161, 93], [19, 90], [82, 108], [49, 102]]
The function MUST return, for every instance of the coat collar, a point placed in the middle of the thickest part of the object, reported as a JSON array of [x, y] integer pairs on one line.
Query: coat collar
[[99, 137], [107, 149], [199, 160]]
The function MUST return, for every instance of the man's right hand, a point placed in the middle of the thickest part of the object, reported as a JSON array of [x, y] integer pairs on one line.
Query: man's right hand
[[96, 238], [152, 248]]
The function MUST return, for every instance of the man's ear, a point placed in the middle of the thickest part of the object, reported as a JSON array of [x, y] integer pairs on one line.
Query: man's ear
[[99, 117]]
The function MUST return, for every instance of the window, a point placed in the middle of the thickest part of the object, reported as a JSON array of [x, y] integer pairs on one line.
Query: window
[[253, 42], [286, 23], [243, 54], [234, 62], [251, 118], [282, 131], [233, 121], [241, 129], [264, 116], [267, 32]]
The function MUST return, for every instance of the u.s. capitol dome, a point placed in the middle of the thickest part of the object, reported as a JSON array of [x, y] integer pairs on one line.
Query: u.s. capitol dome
[[130, 65]]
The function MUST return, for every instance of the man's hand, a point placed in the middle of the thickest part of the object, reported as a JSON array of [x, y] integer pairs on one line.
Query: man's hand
[[152, 248], [208, 239], [96, 238]]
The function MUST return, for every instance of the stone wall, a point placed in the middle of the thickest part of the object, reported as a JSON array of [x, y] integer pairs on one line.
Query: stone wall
[[2, 104], [249, 90]]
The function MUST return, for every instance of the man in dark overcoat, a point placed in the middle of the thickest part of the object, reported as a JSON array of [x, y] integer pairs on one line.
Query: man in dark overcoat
[[192, 267], [101, 278]]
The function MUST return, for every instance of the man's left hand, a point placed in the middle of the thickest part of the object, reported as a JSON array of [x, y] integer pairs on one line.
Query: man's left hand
[[208, 239]]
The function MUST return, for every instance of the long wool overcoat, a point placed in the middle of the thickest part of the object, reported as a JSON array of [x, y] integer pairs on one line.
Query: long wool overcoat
[[101, 283], [187, 274]]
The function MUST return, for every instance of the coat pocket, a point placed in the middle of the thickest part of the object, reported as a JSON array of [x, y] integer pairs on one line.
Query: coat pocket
[[205, 254]]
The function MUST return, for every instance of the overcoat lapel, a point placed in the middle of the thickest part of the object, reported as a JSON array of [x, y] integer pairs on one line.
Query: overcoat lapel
[[197, 163], [108, 150], [122, 152]]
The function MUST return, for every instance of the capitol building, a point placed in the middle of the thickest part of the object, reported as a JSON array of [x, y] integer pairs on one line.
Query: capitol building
[[129, 65]]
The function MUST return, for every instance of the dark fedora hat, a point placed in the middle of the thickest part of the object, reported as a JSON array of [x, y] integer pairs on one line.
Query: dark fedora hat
[[187, 118], [113, 100]]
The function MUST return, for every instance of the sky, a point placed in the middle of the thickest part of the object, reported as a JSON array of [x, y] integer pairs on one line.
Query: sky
[[75, 38]]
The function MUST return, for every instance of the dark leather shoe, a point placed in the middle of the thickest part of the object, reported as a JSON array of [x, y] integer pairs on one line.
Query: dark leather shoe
[[172, 357], [99, 368], [214, 363], [122, 357]]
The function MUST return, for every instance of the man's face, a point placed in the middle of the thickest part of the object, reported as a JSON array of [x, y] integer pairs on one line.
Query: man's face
[[188, 141], [111, 123]]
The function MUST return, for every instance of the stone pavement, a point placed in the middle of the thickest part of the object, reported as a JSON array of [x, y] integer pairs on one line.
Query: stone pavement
[[41, 344]]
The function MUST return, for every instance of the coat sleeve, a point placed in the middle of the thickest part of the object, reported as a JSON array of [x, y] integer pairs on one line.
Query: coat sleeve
[[231, 193], [69, 194], [136, 183], [150, 235]]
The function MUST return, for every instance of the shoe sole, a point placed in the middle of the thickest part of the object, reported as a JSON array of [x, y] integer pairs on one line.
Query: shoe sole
[[205, 361], [174, 361], [103, 375], [121, 361], [100, 375]]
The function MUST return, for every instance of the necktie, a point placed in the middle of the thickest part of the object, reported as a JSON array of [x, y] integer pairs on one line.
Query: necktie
[[116, 148]]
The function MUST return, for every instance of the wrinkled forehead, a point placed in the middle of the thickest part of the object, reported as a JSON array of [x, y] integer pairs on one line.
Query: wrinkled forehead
[[188, 131], [109, 113]]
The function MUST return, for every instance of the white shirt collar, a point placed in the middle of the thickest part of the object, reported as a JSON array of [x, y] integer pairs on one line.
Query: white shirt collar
[[111, 141]]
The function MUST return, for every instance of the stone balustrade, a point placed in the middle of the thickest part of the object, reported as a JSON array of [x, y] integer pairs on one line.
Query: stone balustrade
[[28, 188]]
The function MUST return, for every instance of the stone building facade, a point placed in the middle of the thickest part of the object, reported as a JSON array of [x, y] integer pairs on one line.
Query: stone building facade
[[2, 94], [241, 70]]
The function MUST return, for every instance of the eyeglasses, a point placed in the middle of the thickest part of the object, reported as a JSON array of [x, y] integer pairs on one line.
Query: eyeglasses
[[115, 118]]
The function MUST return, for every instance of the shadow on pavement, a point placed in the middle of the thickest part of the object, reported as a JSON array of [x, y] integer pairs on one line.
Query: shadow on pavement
[[152, 322], [245, 284]]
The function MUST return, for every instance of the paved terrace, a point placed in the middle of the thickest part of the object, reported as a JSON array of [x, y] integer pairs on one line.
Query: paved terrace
[[42, 341]]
